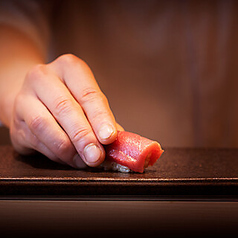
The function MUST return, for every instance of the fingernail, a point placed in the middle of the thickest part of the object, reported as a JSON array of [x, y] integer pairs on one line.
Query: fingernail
[[105, 132], [92, 153], [77, 160]]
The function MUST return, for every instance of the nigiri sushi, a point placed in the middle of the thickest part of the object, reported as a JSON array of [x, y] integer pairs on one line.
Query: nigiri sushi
[[131, 152]]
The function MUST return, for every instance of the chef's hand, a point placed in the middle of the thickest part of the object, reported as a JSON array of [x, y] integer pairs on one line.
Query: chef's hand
[[61, 112]]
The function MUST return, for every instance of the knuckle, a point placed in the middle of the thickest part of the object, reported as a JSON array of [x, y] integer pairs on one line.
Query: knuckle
[[98, 114], [38, 71], [68, 59], [63, 106], [71, 60], [79, 135], [37, 123], [90, 95], [62, 147]]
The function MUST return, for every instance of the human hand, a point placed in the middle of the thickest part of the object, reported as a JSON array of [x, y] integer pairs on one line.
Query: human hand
[[61, 112]]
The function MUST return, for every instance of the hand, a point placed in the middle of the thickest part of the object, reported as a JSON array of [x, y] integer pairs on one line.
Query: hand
[[61, 112]]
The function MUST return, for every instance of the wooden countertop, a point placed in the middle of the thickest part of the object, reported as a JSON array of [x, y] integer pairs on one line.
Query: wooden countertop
[[192, 191], [181, 173]]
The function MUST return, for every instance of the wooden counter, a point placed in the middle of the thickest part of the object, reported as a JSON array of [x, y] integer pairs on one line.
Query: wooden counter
[[188, 193], [179, 174]]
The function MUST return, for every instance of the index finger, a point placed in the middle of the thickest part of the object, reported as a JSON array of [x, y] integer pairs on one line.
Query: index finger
[[80, 81]]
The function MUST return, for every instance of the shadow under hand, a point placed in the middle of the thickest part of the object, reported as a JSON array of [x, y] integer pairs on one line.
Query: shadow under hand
[[39, 161], [4, 136]]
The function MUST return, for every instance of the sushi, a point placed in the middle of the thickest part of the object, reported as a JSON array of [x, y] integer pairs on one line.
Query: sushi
[[131, 152]]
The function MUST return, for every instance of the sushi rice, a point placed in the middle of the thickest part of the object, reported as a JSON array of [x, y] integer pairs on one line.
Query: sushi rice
[[113, 166]]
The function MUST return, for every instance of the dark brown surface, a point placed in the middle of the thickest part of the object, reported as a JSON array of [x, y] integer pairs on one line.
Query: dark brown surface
[[117, 219], [40, 197], [178, 173]]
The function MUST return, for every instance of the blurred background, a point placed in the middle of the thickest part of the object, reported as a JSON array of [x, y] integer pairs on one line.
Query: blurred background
[[168, 68]]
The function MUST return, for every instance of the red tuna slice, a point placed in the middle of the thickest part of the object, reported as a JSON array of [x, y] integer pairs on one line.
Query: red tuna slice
[[133, 151]]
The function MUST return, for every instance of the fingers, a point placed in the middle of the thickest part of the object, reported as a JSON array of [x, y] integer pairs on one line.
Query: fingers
[[68, 113], [27, 143], [82, 84], [40, 132], [62, 113]]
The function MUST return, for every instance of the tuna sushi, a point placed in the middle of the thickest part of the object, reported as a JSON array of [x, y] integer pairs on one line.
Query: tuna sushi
[[131, 152]]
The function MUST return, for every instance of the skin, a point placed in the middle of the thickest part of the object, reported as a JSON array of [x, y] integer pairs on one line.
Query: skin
[[57, 108]]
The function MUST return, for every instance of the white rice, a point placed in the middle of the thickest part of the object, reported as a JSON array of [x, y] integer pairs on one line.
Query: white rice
[[113, 166]]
